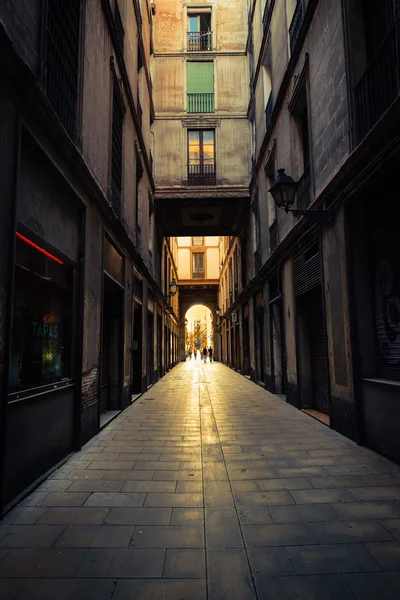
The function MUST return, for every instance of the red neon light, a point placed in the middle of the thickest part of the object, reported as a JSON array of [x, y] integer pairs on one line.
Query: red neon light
[[39, 249]]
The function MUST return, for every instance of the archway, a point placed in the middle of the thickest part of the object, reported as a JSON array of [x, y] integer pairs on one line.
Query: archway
[[198, 329]]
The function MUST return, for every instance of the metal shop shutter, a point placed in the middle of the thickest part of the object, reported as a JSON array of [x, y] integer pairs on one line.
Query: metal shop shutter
[[307, 269]]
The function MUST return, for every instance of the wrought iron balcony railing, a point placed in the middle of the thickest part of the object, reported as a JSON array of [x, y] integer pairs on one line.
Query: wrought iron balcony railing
[[199, 275], [201, 175], [379, 86], [295, 25], [304, 189], [200, 103], [200, 41], [268, 112]]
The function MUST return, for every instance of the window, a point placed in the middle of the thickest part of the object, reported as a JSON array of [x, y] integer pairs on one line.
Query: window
[[198, 270], [118, 114], [197, 241], [41, 347], [62, 59], [199, 32], [201, 155], [299, 111], [200, 87]]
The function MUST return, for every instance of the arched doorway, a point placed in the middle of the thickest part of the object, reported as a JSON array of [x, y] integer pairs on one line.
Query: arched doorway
[[198, 330]]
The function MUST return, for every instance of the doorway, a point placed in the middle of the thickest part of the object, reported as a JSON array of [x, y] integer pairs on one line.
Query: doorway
[[137, 343], [150, 349], [111, 346], [278, 352]]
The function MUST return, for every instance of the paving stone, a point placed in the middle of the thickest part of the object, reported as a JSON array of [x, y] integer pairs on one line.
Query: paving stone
[[176, 475], [300, 483], [24, 515], [68, 589], [186, 516], [10, 588], [54, 485], [254, 515], [393, 526], [266, 562], [386, 554], [300, 472], [82, 515], [366, 510], [336, 482], [41, 562], [295, 534], [129, 475], [174, 500], [149, 486], [86, 474], [96, 536], [217, 494], [263, 499], [111, 499], [376, 493], [229, 575], [168, 537], [302, 512], [188, 487], [317, 587], [338, 558], [245, 486], [222, 528], [370, 586], [351, 531], [32, 536], [139, 516], [106, 465], [185, 564], [321, 496], [90, 485], [165, 589], [245, 473], [122, 563]]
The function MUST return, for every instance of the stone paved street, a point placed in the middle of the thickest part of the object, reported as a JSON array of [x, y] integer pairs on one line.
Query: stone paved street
[[209, 487]]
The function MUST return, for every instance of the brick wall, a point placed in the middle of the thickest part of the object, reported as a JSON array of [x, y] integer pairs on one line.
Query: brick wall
[[90, 387]]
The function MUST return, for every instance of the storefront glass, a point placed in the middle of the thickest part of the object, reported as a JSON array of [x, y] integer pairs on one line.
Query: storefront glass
[[41, 349]]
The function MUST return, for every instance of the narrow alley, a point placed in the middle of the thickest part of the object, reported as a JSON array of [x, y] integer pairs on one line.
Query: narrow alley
[[209, 486]]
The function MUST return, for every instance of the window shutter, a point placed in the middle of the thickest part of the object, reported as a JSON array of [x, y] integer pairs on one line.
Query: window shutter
[[200, 78]]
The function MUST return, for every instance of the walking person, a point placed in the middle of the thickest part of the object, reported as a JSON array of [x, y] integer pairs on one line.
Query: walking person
[[210, 353], [195, 354], [205, 353]]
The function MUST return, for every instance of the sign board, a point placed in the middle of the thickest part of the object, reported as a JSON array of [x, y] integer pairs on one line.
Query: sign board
[[234, 317]]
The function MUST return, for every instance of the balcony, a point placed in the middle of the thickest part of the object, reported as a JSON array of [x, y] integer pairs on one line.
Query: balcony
[[200, 41], [199, 275], [295, 25], [201, 175], [378, 87], [268, 112], [200, 103], [304, 190]]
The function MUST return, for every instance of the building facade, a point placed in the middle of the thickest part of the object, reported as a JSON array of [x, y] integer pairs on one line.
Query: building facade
[[84, 272], [321, 289]]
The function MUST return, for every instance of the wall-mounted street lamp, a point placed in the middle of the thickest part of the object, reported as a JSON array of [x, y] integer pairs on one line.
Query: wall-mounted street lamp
[[284, 193], [173, 287]]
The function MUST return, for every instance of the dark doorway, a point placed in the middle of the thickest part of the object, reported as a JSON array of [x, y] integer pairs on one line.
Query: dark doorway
[[150, 349], [246, 346], [259, 337], [137, 343], [313, 361], [159, 346], [278, 352], [111, 346]]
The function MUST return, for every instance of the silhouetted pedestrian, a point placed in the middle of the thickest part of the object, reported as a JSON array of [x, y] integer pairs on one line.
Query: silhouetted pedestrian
[[205, 353], [210, 353]]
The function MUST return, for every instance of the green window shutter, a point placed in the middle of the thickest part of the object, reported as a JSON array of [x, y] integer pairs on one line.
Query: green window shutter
[[200, 78]]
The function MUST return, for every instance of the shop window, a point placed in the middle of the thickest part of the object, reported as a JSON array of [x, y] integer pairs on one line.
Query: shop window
[[41, 348]]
